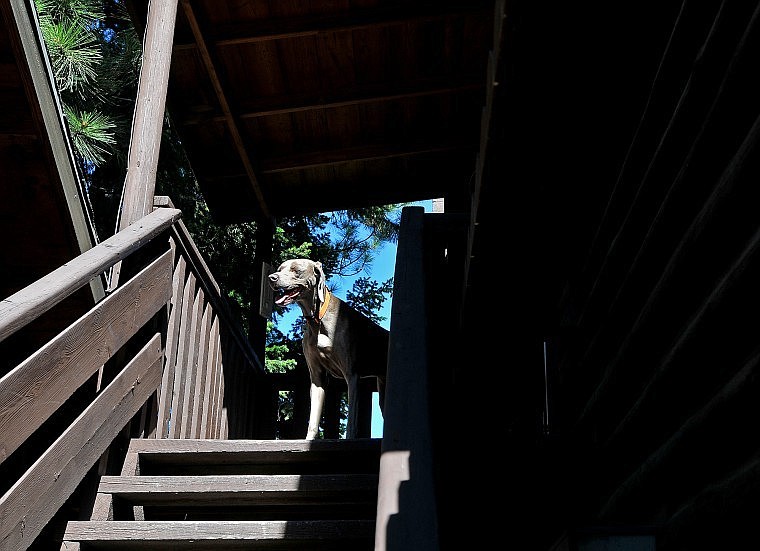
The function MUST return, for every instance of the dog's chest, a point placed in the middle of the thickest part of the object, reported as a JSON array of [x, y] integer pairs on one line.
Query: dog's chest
[[320, 344]]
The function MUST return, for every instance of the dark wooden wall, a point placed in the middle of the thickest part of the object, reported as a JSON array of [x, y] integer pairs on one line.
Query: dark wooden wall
[[622, 210], [658, 382]]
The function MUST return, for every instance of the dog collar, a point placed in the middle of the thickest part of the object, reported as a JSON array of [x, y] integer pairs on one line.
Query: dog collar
[[317, 317], [325, 304]]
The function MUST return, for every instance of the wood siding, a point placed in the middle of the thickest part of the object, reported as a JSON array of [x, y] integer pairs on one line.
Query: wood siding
[[660, 380], [625, 140]]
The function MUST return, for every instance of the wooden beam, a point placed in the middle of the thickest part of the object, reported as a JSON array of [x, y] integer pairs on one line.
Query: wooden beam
[[30, 504], [365, 153], [300, 105], [40, 88], [148, 122], [437, 91], [309, 26], [429, 177], [495, 61], [34, 390], [34, 300], [232, 125]]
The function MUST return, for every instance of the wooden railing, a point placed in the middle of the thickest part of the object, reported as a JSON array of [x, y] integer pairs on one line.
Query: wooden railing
[[204, 349], [157, 357]]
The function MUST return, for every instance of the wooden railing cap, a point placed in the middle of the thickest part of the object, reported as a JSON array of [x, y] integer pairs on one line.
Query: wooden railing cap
[[34, 300]]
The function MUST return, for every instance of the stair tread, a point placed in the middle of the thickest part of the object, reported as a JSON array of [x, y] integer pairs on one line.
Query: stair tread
[[241, 488], [216, 534], [240, 494], [241, 483], [205, 457], [159, 446]]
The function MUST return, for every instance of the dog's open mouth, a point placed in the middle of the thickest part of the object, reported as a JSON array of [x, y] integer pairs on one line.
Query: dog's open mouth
[[286, 297]]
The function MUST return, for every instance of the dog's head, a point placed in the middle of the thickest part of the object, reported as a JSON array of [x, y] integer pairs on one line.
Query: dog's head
[[296, 279]]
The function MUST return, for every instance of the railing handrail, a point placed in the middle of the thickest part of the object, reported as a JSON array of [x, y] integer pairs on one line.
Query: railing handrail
[[37, 298]]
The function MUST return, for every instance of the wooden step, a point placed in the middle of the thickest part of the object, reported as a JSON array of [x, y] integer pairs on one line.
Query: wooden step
[[185, 456], [233, 490], [355, 535], [236, 494], [243, 497]]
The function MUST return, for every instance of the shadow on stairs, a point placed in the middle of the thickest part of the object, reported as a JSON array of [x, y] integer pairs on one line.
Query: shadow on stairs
[[236, 494]]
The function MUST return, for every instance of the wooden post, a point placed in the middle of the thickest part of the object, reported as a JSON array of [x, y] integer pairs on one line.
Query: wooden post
[[148, 120], [263, 412], [147, 126], [258, 317], [406, 490]]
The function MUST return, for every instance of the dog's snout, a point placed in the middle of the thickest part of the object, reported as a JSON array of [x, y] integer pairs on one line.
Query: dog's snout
[[274, 277]]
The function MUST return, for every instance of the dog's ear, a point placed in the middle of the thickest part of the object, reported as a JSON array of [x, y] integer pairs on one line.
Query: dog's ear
[[321, 284]]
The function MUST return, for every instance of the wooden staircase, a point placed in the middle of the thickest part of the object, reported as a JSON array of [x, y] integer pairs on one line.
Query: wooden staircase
[[183, 494]]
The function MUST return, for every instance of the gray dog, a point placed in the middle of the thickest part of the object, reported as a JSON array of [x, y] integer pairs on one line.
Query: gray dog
[[337, 339]]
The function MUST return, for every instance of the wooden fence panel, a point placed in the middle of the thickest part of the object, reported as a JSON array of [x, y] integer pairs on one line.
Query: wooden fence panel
[[183, 351], [201, 372], [200, 368], [218, 400], [172, 341], [222, 429], [208, 391], [35, 389], [231, 397], [237, 404], [51, 480], [205, 354], [191, 366], [216, 412]]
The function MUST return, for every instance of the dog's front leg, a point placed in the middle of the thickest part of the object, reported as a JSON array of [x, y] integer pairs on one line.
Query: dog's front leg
[[352, 425], [317, 394]]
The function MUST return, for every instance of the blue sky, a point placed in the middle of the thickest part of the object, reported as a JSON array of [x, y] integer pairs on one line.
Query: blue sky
[[382, 269]]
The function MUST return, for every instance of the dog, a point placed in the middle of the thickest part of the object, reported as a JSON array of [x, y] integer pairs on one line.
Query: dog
[[338, 340]]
